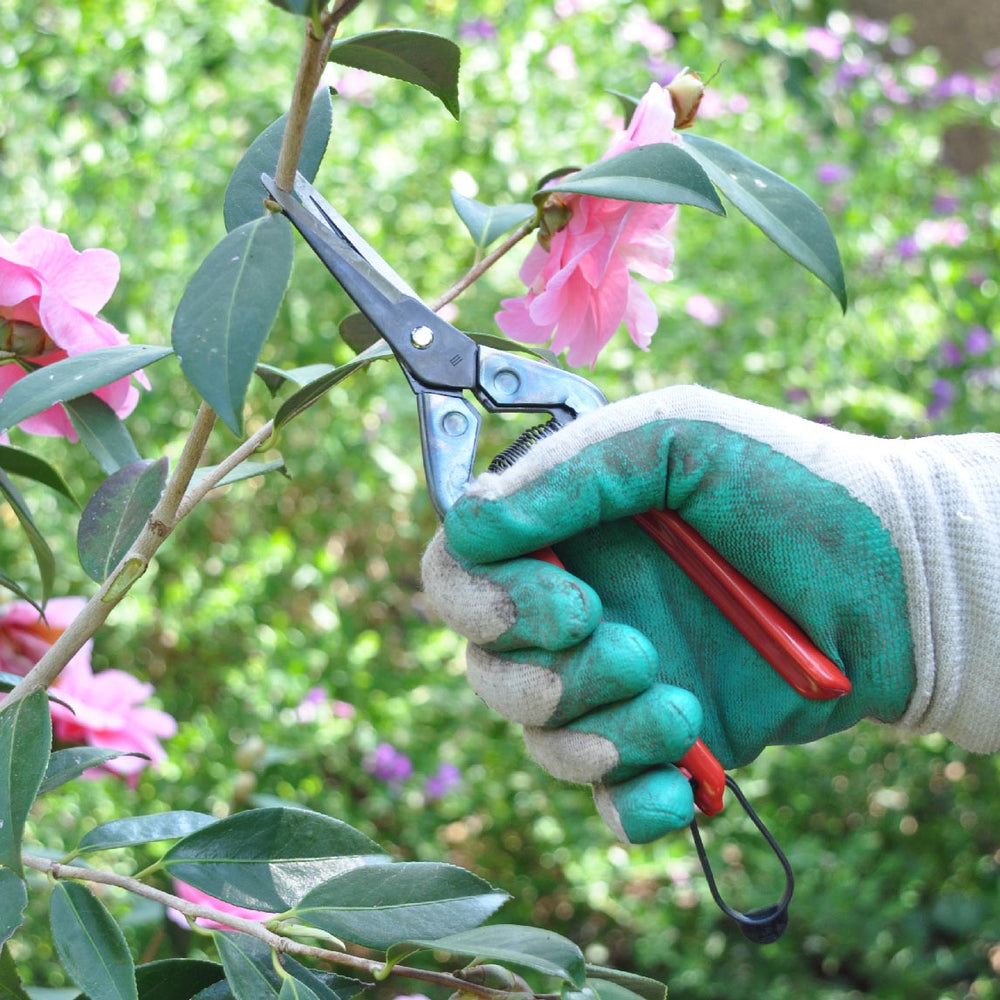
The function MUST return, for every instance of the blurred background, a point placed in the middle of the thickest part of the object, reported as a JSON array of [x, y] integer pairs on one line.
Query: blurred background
[[284, 626]]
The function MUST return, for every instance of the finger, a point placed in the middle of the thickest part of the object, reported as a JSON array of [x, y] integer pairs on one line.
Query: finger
[[619, 742], [543, 688], [522, 604], [645, 808]]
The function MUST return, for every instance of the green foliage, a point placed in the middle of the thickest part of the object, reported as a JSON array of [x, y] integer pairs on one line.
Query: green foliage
[[25, 737], [312, 582]]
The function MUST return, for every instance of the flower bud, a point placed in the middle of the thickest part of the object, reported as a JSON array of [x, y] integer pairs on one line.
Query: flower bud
[[555, 216], [23, 340], [686, 91]]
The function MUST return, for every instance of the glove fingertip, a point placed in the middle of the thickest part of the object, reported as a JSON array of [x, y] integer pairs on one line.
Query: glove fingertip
[[647, 807]]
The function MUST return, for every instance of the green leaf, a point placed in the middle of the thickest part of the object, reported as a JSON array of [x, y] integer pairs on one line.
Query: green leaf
[[15, 588], [647, 989], [358, 332], [293, 989], [143, 830], [606, 989], [428, 60], [23, 463], [44, 558], [25, 742], [73, 377], [303, 8], [13, 900], [510, 944], [783, 212], [65, 765], [249, 970], [300, 401], [102, 433], [90, 945], [378, 905], [176, 978], [10, 681], [660, 173], [245, 470], [268, 859], [10, 981], [244, 200], [627, 102], [116, 514], [227, 311], [487, 222], [275, 378]]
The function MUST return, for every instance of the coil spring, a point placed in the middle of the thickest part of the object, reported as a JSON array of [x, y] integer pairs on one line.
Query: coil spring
[[518, 448]]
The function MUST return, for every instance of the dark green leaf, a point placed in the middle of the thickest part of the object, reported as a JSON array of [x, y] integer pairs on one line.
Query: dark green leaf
[[176, 978], [44, 558], [430, 61], [249, 971], [509, 944], [15, 588], [303, 8], [777, 207], [293, 989], [116, 514], [648, 989], [378, 905], [10, 681], [268, 859], [143, 830], [90, 945], [102, 433], [25, 742], [10, 981], [227, 310], [65, 765], [660, 173], [628, 103], [487, 222], [315, 390], [606, 989], [73, 377], [275, 378], [13, 900], [245, 470], [358, 332], [23, 463], [245, 195]]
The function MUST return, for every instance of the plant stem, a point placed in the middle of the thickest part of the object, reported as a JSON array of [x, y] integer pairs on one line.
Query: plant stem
[[481, 267], [253, 928]]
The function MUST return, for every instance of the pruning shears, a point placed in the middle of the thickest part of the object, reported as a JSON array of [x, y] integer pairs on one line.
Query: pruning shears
[[444, 366]]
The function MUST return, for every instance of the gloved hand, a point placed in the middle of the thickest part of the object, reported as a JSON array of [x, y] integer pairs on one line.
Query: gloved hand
[[887, 553]]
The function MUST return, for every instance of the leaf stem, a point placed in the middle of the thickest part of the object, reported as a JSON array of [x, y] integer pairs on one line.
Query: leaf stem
[[254, 928], [482, 266]]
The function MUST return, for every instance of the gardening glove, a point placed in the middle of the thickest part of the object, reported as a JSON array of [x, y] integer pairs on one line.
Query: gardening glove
[[887, 554]]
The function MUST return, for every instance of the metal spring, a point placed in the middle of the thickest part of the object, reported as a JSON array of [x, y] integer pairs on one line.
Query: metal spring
[[518, 448]]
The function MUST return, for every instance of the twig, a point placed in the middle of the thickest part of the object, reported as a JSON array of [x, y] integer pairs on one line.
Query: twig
[[253, 928], [479, 269]]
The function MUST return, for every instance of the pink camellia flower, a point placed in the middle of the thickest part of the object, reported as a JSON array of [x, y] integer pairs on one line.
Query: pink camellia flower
[[49, 298], [193, 895], [104, 709], [579, 278]]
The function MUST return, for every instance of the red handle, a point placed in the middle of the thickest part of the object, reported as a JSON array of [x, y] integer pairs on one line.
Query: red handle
[[762, 623], [767, 628]]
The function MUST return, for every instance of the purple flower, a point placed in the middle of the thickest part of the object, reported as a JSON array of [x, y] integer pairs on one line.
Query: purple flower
[[439, 784], [479, 29], [956, 85], [945, 204], [951, 354], [832, 173], [907, 247], [386, 763], [942, 396], [978, 341], [797, 395]]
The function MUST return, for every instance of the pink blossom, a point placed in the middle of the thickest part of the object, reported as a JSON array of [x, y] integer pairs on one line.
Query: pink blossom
[[581, 285], [104, 709], [192, 895], [49, 298], [704, 309], [562, 61], [824, 43]]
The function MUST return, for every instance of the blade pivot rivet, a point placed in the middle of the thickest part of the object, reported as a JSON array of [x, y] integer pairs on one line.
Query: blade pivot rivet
[[421, 337]]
